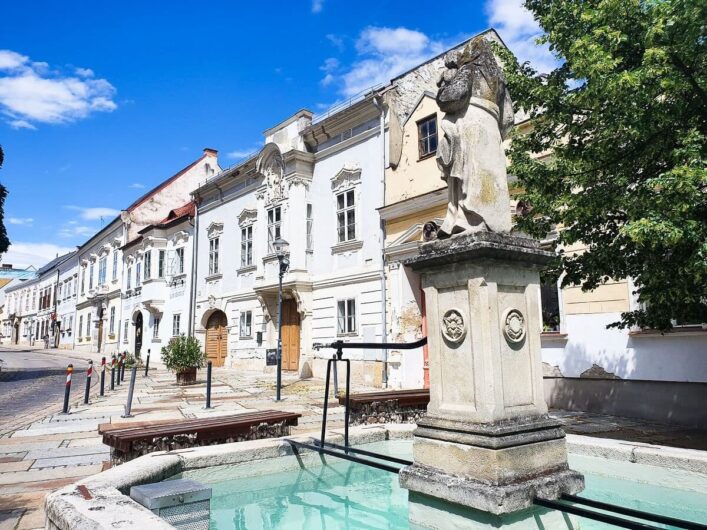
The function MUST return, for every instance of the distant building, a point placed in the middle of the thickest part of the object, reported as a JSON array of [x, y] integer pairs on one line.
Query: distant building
[[105, 276], [156, 304]]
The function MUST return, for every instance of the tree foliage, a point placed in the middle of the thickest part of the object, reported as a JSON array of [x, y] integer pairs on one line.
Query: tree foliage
[[625, 116], [4, 241]]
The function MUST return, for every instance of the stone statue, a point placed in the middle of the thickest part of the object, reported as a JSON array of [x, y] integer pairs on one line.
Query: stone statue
[[478, 116]]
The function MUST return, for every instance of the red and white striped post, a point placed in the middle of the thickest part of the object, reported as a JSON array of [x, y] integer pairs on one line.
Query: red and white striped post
[[89, 373], [103, 376], [67, 390]]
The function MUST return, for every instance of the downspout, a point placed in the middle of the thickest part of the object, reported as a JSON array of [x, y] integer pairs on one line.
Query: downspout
[[384, 295], [194, 249]]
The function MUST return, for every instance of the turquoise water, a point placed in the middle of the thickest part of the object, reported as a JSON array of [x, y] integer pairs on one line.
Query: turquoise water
[[331, 494]]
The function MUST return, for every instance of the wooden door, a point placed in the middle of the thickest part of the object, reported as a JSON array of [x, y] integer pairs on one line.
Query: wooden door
[[290, 335], [217, 338]]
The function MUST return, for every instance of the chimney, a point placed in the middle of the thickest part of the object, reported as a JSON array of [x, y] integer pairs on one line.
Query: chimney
[[208, 151]]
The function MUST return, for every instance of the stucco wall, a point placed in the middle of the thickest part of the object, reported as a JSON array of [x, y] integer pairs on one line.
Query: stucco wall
[[672, 357], [414, 176]]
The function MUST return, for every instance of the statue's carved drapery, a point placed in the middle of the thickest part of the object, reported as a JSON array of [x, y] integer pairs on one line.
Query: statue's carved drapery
[[478, 116]]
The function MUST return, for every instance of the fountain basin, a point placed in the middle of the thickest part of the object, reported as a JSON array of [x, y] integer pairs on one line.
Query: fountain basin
[[261, 477]]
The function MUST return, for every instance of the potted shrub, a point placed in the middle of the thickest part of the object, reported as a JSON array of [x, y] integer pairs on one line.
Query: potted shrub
[[183, 356]]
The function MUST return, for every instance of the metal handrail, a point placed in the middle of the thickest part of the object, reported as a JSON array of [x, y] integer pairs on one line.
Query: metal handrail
[[341, 345]]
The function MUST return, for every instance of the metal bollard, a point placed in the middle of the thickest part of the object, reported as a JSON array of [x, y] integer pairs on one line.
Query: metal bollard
[[128, 406], [125, 358], [112, 372], [208, 385], [103, 376], [120, 365], [67, 390], [89, 373], [147, 363]]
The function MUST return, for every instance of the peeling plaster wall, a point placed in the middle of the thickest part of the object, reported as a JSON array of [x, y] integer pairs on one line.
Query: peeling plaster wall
[[174, 195]]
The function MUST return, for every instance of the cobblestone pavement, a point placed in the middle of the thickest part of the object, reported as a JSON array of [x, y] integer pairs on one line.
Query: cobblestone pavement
[[44, 451]]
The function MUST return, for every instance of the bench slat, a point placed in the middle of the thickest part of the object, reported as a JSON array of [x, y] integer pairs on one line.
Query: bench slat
[[122, 436]]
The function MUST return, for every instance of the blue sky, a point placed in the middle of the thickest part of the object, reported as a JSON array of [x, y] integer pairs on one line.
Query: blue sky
[[100, 101]]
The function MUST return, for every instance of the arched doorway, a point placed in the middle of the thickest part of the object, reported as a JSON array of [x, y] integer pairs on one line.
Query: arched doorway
[[217, 338], [138, 334]]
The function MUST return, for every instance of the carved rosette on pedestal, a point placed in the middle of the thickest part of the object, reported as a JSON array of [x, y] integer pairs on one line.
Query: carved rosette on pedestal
[[487, 442]]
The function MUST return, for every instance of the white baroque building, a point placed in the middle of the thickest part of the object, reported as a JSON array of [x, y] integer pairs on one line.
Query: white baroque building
[[157, 287], [317, 185]]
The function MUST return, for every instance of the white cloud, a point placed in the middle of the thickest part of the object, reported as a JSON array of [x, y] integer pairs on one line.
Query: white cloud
[[239, 153], [336, 41], [23, 255], [21, 124], [317, 6], [84, 72], [30, 92], [519, 29], [384, 53], [137, 186], [27, 221], [96, 213], [329, 67], [72, 229]]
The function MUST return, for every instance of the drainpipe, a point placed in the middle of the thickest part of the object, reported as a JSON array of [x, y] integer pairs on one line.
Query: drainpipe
[[377, 101], [192, 290]]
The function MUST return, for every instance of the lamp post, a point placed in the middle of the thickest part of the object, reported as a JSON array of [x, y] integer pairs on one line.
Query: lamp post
[[282, 252]]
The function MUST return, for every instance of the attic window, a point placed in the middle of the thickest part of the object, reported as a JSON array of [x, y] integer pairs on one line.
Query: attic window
[[427, 136]]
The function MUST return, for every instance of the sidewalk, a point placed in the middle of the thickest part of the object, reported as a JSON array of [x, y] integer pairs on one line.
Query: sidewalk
[[51, 450]]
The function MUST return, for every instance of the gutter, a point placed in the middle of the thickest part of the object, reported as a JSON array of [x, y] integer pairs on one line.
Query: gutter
[[377, 101], [194, 250]]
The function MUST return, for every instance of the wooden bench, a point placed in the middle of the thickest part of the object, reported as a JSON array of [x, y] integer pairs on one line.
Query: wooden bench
[[388, 406], [130, 440]]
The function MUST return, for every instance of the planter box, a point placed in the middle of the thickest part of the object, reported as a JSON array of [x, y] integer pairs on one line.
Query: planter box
[[187, 376]]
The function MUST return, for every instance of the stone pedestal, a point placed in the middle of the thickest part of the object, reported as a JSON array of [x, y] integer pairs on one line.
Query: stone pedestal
[[487, 442]]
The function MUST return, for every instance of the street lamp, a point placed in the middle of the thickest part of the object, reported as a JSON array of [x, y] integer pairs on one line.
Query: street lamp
[[282, 248]]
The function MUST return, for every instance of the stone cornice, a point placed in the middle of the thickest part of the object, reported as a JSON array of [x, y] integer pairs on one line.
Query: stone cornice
[[414, 204]]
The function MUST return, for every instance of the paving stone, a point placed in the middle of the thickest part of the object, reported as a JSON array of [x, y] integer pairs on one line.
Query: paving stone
[[41, 475], [32, 519], [72, 462], [11, 467], [86, 442], [10, 518], [67, 451], [58, 429], [11, 448], [16, 457], [22, 440]]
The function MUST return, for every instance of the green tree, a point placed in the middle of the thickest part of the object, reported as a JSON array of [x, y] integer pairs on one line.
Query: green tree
[[625, 116], [4, 241]]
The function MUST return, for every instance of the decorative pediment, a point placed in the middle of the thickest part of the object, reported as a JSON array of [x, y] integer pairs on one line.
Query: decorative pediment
[[214, 230], [412, 234], [117, 242], [347, 177], [180, 237], [93, 257], [105, 250], [297, 180], [272, 167], [84, 263], [247, 217]]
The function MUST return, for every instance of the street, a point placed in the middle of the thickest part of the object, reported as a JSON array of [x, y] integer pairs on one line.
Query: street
[[31, 381]]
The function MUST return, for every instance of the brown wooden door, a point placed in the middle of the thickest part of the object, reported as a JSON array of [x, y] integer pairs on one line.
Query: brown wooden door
[[290, 335], [217, 338]]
